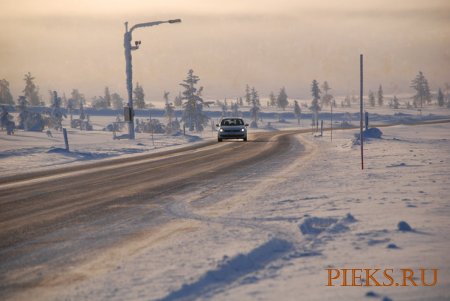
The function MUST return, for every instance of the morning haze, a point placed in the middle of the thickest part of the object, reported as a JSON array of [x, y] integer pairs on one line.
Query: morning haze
[[267, 44]]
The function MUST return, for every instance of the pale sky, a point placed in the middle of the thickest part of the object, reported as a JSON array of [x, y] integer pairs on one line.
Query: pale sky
[[266, 44]]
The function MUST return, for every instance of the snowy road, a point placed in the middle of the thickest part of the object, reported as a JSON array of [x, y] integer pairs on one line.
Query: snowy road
[[53, 223]]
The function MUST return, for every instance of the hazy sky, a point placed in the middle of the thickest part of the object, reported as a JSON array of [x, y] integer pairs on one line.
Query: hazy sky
[[267, 44]]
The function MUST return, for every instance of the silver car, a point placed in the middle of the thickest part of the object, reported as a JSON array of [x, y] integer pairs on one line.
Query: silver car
[[232, 128]]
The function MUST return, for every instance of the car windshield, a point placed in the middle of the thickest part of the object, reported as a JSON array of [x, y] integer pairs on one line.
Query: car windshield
[[232, 122]]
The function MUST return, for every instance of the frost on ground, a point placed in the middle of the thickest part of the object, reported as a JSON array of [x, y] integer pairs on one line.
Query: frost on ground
[[276, 240]]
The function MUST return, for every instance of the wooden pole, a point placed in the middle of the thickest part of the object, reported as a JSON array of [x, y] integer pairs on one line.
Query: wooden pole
[[331, 121], [361, 138]]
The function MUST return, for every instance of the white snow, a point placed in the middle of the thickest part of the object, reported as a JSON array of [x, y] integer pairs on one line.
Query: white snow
[[32, 151], [270, 234]]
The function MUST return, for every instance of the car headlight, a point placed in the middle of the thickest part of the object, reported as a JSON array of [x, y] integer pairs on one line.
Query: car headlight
[[220, 130], [243, 130]]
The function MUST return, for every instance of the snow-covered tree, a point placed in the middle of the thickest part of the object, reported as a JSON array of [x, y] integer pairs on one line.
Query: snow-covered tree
[[282, 99], [5, 94], [56, 114], [193, 115], [255, 97], [99, 102], [82, 114], [371, 98], [380, 96], [169, 113], [139, 96], [315, 92], [116, 101], [440, 98], [76, 98], [6, 121], [224, 108], [272, 99], [235, 109], [178, 102], [22, 104], [395, 104], [297, 111], [254, 110], [107, 97], [248, 96], [31, 91], [327, 97], [420, 84], [29, 121]]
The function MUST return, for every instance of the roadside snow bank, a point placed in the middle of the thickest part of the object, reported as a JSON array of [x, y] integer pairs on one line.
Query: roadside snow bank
[[371, 133]]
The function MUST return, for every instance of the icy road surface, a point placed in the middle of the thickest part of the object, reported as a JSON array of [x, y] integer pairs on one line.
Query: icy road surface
[[261, 220]]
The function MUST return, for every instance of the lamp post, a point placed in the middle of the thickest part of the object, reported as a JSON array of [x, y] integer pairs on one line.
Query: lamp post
[[129, 110]]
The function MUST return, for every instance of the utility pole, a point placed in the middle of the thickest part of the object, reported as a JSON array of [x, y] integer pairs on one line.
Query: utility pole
[[129, 68], [361, 138]]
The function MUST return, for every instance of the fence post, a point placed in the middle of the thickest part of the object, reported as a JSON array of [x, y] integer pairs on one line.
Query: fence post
[[367, 120], [66, 140]]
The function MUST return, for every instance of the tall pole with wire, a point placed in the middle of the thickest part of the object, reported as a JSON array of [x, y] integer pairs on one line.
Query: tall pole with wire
[[129, 115]]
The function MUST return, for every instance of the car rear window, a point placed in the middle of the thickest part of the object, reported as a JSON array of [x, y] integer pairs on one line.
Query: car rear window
[[232, 122]]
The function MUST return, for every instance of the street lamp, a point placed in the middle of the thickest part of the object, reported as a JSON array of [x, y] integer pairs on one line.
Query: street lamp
[[129, 111]]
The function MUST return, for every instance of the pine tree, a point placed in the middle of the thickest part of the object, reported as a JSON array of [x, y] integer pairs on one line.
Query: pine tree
[[5, 94], [255, 109], [315, 107], [99, 102], [178, 102], [380, 96], [22, 104], [297, 111], [420, 84], [282, 99], [235, 109], [395, 103], [139, 96], [248, 96], [371, 98], [82, 114], [116, 101], [107, 97], [31, 91], [56, 115], [254, 97], [327, 98], [224, 108], [272, 100], [440, 98], [76, 98], [193, 115], [169, 112]]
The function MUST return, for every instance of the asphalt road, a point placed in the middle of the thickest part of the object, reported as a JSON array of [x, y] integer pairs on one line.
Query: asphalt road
[[55, 220]]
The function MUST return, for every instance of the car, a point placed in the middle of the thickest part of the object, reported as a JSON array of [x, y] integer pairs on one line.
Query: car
[[232, 128]]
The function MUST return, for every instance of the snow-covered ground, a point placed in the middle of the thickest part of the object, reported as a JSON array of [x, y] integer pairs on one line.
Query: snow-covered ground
[[272, 233], [32, 151]]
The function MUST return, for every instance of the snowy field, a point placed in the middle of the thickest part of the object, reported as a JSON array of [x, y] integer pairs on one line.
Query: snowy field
[[276, 240], [32, 151]]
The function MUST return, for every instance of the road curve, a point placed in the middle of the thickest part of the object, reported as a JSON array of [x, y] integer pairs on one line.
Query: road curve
[[40, 211]]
